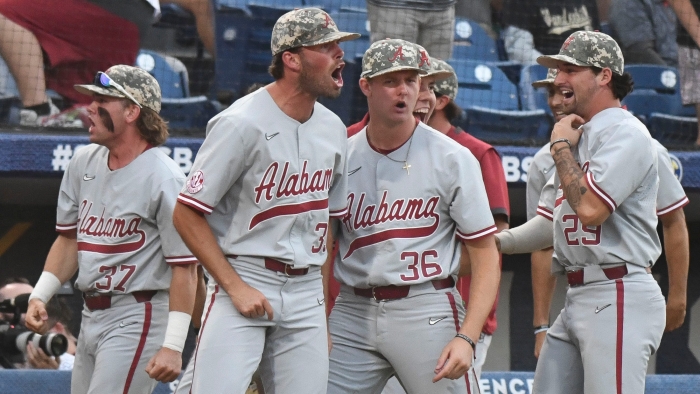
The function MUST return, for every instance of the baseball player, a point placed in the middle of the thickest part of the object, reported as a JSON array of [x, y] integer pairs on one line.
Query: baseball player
[[446, 111], [398, 312], [670, 201], [268, 175], [602, 201], [114, 219]]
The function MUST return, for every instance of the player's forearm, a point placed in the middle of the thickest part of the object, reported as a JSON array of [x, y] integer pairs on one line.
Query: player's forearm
[[486, 275], [326, 268], [687, 17], [677, 255], [465, 267], [590, 210], [199, 298], [183, 287], [197, 235], [543, 284], [533, 235], [62, 260]]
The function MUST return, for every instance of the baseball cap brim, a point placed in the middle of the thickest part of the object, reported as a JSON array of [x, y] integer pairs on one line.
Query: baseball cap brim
[[553, 61], [393, 69], [93, 89], [542, 83], [439, 74], [335, 36]]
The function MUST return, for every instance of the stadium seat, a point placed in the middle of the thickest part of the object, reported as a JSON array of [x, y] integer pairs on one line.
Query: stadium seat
[[345, 5], [531, 98], [507, 127], [232, 24], [188, 113], [656, 89], [485, 85], [472, 42], [673, 131], [232, 6], [170, 73], [354, 22]]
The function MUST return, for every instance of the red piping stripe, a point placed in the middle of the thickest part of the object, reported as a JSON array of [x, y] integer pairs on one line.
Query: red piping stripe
[[455, 316], [201, 331], [620, 319], [139, 349]]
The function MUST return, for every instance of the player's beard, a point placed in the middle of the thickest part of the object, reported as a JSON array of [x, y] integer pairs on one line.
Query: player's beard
[[315, 83], [106, 119]]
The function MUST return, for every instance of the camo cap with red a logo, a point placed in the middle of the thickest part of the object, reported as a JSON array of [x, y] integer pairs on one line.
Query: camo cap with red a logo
[[588, 49], [391, 55], [306, 27]]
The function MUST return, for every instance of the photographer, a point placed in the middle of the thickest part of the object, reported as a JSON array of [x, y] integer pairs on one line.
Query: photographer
[[59, 318]]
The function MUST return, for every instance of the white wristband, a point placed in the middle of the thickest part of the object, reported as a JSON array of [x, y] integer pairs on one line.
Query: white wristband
[[176, 333], [47, 285]]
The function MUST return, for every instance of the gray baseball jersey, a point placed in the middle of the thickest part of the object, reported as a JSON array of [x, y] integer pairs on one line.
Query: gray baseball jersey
[[268, 187], [620, 163], [123, 220], [403, 226], [541, 170]]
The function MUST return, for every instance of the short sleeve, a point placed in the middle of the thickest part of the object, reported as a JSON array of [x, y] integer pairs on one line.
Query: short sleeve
[[671, 195], [68, 195], [338, 193], [219, 163], [469, 207], [540, 171], [548, 196], [174, 249], [620, 164], [495, 183]]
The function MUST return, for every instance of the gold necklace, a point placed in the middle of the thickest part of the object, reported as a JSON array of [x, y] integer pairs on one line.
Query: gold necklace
[[406, 166]]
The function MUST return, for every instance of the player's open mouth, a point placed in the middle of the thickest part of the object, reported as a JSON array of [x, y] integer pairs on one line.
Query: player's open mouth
[[337, 75], [567, 93], [420, 114], [401, 105]]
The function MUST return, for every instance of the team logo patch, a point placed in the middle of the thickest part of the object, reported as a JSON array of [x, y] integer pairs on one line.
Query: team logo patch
[[677, 167], [196, 182]]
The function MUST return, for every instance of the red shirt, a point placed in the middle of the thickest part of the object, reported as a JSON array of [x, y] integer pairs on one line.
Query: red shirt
[[497, 192], [357, 127]]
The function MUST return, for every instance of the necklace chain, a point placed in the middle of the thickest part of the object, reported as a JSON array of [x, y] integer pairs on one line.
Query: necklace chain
[[406, 166]]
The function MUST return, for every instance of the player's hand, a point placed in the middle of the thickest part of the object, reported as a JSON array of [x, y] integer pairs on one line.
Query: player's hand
[[37, 359], [539, 341], [330, 341], [165, 366], [251, 303], [455, 360], [675, 314], [568, 128], [37, 318], [498, 242]]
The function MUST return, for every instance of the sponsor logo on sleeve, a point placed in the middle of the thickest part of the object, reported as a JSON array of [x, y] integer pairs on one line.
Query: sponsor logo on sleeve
[[196, 182]]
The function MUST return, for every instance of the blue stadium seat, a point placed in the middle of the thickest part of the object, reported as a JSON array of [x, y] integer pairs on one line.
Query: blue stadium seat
[[345, 5], [656, 89], [472, 42], [673, 130], [232, 23], [531, 98], [507, 127], [170, 73], [232, 5], [188, 113], [485, 85], [354, 22]]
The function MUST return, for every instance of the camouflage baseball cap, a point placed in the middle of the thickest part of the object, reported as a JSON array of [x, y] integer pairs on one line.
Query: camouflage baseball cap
[[305, 27], [391, 55], [548, 80], [446, 86], [588, 49], [141, 85], [426, 64]]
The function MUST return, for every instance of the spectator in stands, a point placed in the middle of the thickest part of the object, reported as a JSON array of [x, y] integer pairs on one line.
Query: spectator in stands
[[689, 52], [536, 27], [645, 30], [446, 112], [479, 11], [429, 23], [204, 19], [57, 44]]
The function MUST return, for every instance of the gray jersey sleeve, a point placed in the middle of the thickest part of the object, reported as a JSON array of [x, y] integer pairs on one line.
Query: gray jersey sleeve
[[67, 208], [541, 169], [338, 193], [164, 197], [619, 165], [546, 204], [671, 195], [470, 205]]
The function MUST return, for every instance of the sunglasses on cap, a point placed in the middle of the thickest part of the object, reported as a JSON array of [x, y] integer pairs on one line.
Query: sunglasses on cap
[[103, 80]]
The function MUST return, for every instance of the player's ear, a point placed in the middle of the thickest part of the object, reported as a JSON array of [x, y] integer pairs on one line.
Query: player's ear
[[132, 113], [605, 76], [364, 86], [441, 102], [292, 61]]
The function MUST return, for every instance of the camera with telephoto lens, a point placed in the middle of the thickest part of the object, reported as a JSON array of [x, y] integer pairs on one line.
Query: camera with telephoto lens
[[14, 338]]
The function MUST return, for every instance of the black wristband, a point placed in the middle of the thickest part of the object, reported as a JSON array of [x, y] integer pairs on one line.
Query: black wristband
[[469, 340], [551, 144]]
